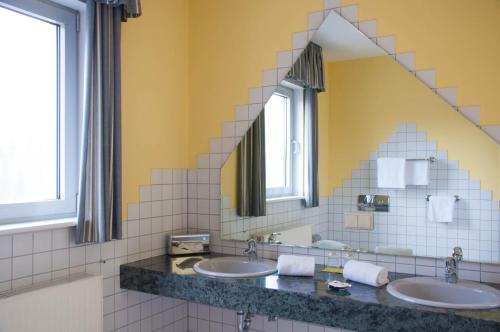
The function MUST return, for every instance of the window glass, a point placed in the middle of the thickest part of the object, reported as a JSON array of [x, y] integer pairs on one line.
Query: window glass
[[28, 109], [38, 111], [277, 119]]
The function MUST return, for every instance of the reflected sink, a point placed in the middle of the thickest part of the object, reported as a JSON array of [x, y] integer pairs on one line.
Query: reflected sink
[[235, 267], [437, 292]]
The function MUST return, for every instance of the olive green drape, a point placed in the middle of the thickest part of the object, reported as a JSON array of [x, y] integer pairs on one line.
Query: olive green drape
[[251, 171]]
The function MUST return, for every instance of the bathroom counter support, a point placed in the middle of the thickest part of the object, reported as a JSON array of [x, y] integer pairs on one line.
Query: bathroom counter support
[[362, 308]]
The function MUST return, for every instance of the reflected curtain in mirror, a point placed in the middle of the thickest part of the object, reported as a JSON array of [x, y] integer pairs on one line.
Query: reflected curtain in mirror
[[99, 200], [311, 181], [251, 171], [308, 73]]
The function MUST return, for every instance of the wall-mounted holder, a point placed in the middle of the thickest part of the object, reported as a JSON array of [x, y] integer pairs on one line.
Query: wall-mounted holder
[[457, 198], [430, 159], [373, 203]]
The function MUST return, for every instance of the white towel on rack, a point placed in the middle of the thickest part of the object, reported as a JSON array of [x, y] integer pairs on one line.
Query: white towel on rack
[[391, 173], [440, 208], [417, 172]]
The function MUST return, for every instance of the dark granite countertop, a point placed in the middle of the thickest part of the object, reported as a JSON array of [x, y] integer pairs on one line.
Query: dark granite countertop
[[361, 308]]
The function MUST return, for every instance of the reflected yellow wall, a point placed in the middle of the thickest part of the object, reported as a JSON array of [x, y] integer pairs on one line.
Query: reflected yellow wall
[[370, 97], [458, 38], [154, 93]]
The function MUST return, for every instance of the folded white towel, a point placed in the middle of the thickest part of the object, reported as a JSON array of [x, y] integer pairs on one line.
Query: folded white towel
[[440, 208], [296, 265], [366, 273], [393, 251], [417, 172], [391, 172], [330, 245]]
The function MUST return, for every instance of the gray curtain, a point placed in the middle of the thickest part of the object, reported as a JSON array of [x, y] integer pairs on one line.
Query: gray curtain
[[251, 171], [99, 196], [311, 187], [308, 72]]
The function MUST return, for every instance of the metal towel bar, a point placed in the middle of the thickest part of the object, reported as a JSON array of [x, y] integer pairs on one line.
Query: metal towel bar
[[457, 198]]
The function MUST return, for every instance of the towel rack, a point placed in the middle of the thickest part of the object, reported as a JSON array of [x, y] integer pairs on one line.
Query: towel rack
[[457, 198], [431, 159]]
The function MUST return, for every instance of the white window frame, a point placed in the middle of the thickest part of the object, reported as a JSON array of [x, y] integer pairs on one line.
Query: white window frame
[[65, 206], [295, 181]]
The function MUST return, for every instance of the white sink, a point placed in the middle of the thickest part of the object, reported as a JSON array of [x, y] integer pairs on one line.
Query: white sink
[[235, 267], [437, 292]]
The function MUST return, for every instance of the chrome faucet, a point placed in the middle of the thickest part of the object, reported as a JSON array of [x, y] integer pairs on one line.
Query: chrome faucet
[[273, 238], [451, 264], [251, 251]]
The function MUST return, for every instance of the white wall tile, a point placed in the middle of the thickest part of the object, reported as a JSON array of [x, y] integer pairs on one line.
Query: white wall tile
[[42, 241], [22, 266], [22, 244], [60, 238]]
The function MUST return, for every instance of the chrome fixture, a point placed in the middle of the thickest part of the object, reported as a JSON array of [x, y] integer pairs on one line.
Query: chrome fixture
[[244, 320], [272, 239], [378, 203], [457, 198], [451, 264], [251, 251]]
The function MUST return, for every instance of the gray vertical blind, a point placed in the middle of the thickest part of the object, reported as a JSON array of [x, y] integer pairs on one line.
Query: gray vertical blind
[[99, 198], [308, 72], [251, 171]]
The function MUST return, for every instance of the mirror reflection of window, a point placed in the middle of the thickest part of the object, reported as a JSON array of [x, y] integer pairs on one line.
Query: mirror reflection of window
[[284, 130]]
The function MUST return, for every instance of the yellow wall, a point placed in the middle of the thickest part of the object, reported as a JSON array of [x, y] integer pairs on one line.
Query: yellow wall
[[324, 138], [154, 93], [231, 42], [370, 97], [458, 38]]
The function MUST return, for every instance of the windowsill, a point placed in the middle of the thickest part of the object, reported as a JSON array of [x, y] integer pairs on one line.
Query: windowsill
[[41, 225], [284, 199]]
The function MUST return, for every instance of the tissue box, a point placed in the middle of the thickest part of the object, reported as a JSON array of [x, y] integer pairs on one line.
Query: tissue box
[[188, 244]]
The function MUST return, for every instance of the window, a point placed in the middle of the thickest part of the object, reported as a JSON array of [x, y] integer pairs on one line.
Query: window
[[284, 131], [38, 110]]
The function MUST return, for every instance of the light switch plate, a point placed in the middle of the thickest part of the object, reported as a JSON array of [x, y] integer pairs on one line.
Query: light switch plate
[[350, 220], [365, 221]]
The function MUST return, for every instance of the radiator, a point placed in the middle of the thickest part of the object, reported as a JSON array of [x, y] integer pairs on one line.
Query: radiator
[[69, 305]]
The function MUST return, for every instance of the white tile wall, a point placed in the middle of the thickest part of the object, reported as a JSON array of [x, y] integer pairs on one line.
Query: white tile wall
[[33, 257], [279, 214], [476, 227], [204, 318]]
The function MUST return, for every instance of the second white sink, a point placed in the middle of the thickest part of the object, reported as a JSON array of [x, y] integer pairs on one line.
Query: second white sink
[[235, 267], [438, 293]]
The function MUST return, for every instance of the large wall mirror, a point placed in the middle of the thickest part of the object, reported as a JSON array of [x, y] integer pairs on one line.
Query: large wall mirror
[[338, 160]]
